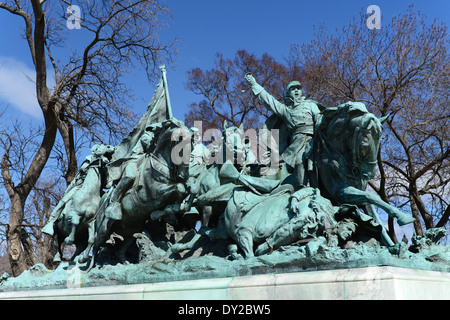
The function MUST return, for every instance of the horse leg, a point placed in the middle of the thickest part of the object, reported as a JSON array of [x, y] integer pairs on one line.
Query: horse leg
[[355, 196], [385, 238], [91, 240], [206, 215], [102, 234], [244, 238], [74, 220], [179, 247], [113, 210], [121, 253], [96, 247], [57, 245], [78, 250], [93, 258]]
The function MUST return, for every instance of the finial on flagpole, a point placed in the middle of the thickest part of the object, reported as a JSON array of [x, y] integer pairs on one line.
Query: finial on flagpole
[[169, 107]]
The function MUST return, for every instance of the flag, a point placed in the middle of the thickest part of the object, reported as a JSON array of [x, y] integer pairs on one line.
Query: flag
[[158, 110]]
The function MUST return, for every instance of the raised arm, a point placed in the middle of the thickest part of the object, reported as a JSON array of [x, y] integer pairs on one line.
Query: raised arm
[[265, 98]]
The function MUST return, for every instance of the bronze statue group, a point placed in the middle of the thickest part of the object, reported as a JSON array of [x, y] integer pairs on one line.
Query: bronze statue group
[[327, 157]]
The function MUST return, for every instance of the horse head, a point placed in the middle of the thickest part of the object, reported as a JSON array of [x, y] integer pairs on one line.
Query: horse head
[[99, 150], [173, 149], [366, 144], [353, 135], [238, 144]]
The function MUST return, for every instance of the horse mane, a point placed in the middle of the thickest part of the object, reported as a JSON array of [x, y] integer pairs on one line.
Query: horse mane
[[332, 113], [164, 138], [341, 145]]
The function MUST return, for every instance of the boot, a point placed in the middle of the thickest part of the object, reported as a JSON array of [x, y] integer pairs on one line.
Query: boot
[[257, 185], [229, 172], [48, 228]]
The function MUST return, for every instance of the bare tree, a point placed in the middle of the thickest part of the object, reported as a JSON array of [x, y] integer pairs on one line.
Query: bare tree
[[402, 70], [45, 195], [222, 90], [89, 92]]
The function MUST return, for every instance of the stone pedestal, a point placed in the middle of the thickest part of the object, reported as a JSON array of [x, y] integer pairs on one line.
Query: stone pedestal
[[344, 284]]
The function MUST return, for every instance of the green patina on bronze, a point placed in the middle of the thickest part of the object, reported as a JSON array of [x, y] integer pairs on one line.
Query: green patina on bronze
[[146, 210]]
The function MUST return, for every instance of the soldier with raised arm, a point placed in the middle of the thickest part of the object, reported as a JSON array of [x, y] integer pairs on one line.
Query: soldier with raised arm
[[299, 116]]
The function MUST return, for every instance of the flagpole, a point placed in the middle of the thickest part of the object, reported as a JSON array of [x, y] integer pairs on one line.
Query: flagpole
[[166, 88]]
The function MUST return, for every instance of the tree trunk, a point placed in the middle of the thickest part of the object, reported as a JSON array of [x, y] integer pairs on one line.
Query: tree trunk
[[427, 218], [444, 219], [391, 230], [65, 128], [416, 215], [382, 193], [20, 248]]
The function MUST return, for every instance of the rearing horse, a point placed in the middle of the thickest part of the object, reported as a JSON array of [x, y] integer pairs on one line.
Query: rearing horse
[[348, 141], [159, 182], [75, 224]]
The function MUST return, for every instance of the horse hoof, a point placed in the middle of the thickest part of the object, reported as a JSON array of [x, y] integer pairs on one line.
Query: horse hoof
[[177, 248], [229, 172], [48, 229], [263, 249], [174, 248], [404, 219]]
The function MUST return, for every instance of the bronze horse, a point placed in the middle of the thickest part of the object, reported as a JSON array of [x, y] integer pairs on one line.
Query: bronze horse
[[212, 195], [74, 215], [345, 153], [159, 182], [347, 144]]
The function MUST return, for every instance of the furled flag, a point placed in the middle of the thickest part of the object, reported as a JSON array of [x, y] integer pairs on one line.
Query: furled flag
[[158, 110]]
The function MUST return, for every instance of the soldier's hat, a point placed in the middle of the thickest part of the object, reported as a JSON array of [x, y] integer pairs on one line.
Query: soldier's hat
[[291, 84]]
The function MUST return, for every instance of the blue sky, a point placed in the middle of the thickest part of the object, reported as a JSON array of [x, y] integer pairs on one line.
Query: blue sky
[[259, 26], [204, 28]]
